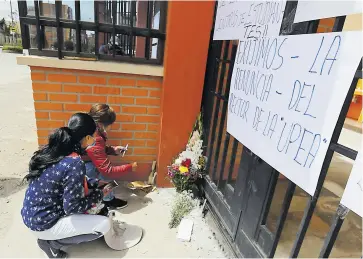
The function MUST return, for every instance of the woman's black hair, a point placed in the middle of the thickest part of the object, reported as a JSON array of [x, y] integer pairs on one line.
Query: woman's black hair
[[62, 142]]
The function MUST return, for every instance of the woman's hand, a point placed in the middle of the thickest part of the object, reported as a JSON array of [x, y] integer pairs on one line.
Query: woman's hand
[[134, 166], [106, 190]]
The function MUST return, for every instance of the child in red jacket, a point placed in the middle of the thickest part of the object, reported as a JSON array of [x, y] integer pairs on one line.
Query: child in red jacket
[[97, 163]]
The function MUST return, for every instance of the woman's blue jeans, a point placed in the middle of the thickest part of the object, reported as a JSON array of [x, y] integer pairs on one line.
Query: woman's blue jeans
[[92, 172]]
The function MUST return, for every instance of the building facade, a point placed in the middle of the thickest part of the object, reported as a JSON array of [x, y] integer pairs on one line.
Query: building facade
[[161, 69]]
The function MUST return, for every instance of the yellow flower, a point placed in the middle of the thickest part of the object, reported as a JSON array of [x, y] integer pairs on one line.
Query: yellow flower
[[183, 169]]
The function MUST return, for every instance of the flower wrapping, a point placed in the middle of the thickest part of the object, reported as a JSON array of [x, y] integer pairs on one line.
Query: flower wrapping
[[190, 163]]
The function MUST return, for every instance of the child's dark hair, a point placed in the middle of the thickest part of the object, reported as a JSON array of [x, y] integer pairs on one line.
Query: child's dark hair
[[102, 113], [62, 142]]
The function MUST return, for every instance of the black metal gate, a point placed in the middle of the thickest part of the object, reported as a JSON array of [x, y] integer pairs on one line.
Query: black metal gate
[[240, 186]]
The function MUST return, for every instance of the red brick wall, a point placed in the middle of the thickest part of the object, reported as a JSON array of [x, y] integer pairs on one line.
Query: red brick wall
[[58, 93]]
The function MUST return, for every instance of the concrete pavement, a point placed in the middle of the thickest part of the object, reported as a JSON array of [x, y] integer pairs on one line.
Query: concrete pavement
[[18, 142]]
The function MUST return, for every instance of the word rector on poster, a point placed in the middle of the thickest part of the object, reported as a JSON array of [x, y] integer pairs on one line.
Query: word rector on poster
[[248, 19], [285, 97], [352, 196]]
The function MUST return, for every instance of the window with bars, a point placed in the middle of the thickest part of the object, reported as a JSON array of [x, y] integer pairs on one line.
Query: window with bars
[[132, 31]]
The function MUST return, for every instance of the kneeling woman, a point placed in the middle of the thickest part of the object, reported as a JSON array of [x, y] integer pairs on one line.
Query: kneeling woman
[[55, 202]]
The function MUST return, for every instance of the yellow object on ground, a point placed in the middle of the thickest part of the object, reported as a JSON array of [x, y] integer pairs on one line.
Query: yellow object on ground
[[143, 188]]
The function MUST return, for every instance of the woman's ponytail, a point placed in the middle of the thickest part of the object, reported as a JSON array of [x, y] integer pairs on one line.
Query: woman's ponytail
[[60, 144]]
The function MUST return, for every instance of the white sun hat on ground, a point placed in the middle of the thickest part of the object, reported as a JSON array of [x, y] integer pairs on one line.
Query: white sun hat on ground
[[122, 235]]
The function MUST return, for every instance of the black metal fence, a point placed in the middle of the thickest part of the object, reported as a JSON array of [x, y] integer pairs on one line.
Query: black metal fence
[[226, 156], [132, 31]]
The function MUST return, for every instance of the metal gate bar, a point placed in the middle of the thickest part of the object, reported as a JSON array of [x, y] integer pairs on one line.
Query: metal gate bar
[[223, 116], [342, 211], [148, 26], [348, 152], [308, 213], [36, 10], [218, 90], [224, 157], [282, 218], [338, 221], [114, 13], [110, 25], [233, 158], [60, 39], [225, 104], [78, 26], [216, 114], [271, 191], [214, 105], [97, 23], [208, 101], [132, 10], [289, 194], [343, 150]]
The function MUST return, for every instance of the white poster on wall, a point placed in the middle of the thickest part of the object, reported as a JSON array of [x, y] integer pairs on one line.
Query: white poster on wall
[[247, 19], [285, 97], [314, 10], [352, 196]]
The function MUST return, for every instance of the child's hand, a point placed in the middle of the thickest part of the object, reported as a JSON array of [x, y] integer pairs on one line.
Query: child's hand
[[120, 149], [134, 166], [102, 183]]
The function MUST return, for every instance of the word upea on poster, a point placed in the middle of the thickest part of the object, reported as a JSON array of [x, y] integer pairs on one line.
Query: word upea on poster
[[352, 196], [286, 94], [246, 19]]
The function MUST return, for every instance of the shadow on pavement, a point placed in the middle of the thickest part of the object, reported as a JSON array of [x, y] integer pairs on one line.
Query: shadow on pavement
[[95, 249], [10, 185], [135, 202]]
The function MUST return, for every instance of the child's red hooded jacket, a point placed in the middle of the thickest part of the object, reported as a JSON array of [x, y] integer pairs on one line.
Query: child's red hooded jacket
[[98, 155]]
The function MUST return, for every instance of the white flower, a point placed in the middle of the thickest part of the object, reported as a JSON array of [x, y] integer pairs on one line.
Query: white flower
[[178, 161], [193, 151]]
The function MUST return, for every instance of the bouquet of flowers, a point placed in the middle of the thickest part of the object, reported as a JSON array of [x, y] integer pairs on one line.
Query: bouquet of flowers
[[189, 166]]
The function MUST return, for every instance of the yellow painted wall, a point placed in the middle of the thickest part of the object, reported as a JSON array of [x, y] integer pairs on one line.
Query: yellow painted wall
[[353, 22]]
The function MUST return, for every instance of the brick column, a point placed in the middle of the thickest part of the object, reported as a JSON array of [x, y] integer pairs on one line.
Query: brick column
[[188, 30]]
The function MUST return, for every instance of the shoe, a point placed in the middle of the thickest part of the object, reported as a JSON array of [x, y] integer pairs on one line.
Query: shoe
[[103, 211], [50, 251], [116, 203]]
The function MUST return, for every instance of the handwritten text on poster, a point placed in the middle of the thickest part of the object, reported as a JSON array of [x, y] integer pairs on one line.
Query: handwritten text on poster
[[245, 19], [285, 97]]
